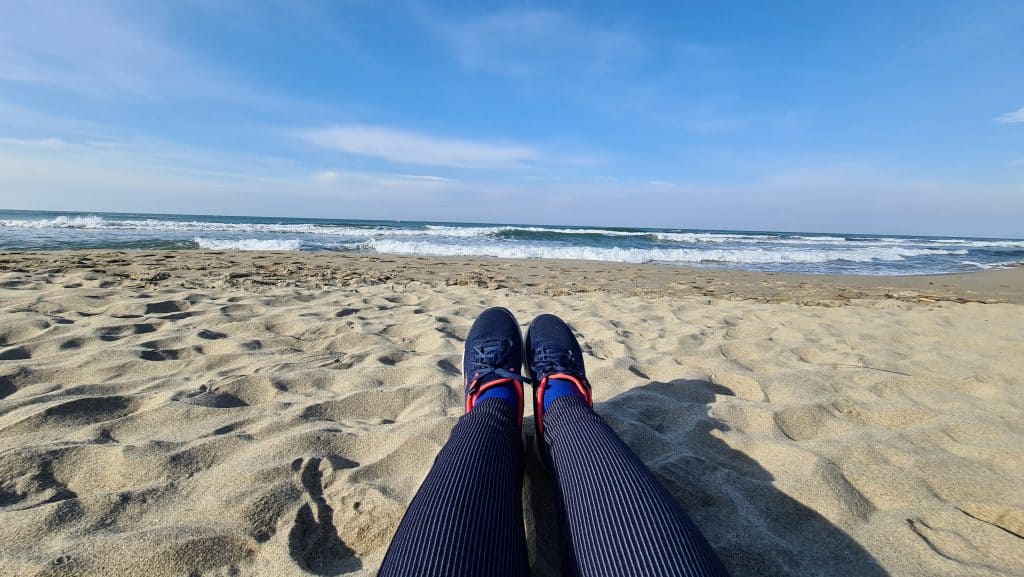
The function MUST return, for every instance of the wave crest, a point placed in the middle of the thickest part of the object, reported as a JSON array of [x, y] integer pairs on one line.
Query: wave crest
[[248, 244], [642, 255]]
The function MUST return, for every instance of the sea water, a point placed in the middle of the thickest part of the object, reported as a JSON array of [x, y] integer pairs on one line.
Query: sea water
[[746, 250]]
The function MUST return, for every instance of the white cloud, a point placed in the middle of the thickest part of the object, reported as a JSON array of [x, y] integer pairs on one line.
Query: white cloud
[[420, 181], [107, 49], [154, 176], [45, 143], [1012, 117], [85, 47], [414, 148], [151, 176], [527, 42]]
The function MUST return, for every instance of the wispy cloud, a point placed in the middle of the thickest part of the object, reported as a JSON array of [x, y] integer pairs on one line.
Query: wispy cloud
[[528, 42], [154, 176], [106, 49], [418, 181], [1012, 117], [162, 177], [86, 47], [406, 147]]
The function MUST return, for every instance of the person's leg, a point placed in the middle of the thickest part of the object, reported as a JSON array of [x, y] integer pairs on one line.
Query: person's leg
[[617, 519], [467, 518]]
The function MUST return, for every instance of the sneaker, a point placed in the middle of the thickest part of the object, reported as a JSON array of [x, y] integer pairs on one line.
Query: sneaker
[[552, 352], [493, 356]]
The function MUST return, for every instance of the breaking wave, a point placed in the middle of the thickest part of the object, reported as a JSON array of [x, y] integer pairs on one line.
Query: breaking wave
[[778, 251], [643, 255]]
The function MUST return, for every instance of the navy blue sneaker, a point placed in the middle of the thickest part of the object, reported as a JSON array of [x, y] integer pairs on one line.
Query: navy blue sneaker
[[494, 356], [552, 353]]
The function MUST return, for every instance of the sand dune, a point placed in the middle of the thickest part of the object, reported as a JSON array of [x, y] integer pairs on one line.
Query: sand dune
[[273, 414]]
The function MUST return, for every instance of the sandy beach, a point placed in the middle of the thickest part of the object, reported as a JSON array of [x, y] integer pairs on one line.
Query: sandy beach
[[203, 413]]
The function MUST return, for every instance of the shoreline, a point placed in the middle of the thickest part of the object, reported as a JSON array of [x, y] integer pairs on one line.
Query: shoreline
[[551, 277]]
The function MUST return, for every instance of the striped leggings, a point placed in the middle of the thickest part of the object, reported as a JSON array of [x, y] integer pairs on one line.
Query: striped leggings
[[615, 519]]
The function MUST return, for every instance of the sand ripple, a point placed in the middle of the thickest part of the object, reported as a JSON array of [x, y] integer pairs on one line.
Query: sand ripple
[[151, 424]]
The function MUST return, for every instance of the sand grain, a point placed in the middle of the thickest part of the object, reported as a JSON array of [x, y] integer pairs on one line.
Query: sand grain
[[256, 414]]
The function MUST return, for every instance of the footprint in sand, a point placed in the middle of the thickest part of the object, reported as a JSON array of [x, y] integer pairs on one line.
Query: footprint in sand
[[165, 307], [15, 354], [118, 332], [76, 413]]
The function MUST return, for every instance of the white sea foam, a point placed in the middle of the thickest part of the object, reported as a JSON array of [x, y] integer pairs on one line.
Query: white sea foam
[[993, 265], [248, 244], [159, 225], [979, 243], [793, 252], [821, 237], [699, 237], [58, 222], [450, 231], [600, 231], [94, 222], [639, 255], [752, 238]]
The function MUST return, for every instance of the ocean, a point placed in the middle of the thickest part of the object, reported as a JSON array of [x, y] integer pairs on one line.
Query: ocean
[[731, 249]]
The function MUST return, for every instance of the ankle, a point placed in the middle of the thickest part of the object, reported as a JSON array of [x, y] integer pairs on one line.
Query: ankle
[[558, 388], [505, 392]]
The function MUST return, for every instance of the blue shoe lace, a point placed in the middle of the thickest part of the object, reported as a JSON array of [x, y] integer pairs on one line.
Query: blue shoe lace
[[549, 361], [490, 360]]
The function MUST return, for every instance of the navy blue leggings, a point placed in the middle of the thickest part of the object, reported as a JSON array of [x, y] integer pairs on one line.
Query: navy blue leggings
[[615, 519]]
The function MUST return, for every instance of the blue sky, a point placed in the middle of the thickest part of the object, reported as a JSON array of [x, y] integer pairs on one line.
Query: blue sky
[[898, 117]]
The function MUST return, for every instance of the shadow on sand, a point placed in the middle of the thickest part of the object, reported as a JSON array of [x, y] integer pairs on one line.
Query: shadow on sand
[[755, 528]]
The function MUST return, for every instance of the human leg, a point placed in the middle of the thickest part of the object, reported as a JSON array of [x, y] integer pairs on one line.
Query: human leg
[[466, 519], [616, 519]]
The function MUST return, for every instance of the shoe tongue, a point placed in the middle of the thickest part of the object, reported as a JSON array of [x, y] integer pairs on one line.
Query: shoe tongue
[[489, 347], [556, 361], [495, 352]]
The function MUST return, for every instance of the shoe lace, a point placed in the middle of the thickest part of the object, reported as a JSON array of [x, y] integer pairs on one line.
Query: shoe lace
[[491, 360], [548, 361]]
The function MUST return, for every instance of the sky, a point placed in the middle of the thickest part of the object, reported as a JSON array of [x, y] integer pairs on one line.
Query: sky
[[886, 117]]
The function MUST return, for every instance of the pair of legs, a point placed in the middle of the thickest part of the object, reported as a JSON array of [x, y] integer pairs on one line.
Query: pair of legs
[[615, 519]]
